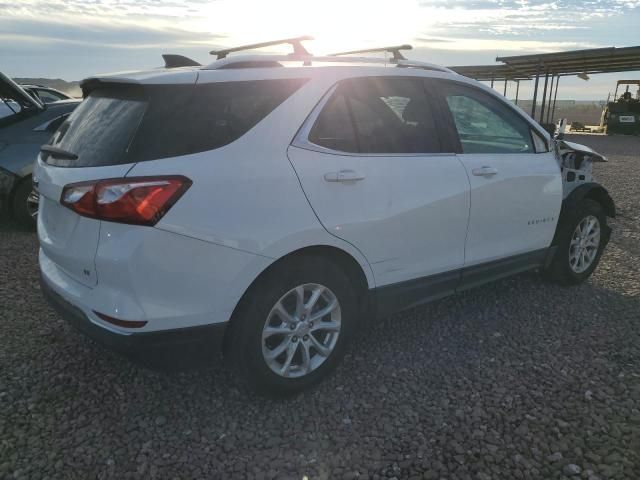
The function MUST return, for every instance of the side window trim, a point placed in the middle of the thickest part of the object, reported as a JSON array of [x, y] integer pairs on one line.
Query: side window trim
[[450, 143], [301, 138], [535, 134]]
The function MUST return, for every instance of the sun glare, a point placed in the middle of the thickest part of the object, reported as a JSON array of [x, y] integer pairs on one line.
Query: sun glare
[[336, 24]]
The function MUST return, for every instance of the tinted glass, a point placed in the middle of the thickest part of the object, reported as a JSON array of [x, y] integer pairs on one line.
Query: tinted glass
[[100, 128], [333, 128], [388, 115], [485, 126], [128, 124]]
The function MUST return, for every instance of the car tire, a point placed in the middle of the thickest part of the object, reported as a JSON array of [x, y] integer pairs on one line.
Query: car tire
[[21, 205], [259, 330], [577, 254]]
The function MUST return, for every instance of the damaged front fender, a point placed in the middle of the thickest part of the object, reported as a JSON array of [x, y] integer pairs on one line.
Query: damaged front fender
[[576, 163]]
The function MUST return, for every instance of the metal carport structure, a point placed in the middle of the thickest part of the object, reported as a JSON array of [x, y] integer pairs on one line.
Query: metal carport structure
[[554, 65]]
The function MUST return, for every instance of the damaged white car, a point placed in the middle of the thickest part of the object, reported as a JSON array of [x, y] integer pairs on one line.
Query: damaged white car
[[266, 204]]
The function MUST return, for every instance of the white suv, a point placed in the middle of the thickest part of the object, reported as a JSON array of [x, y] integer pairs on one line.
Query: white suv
[[264, 204]]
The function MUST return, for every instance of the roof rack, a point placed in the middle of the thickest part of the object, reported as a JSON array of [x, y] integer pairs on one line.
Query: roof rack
[[395, 50], [295, 42]]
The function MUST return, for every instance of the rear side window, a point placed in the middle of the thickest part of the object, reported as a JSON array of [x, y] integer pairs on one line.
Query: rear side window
[[377, 115], [333, 128], [117, 125], [486, 126]]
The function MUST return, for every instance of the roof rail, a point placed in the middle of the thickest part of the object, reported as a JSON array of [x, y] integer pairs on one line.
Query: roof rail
[[423, 65], [395, 50], [295, 42], [172, 60], [255, 61]]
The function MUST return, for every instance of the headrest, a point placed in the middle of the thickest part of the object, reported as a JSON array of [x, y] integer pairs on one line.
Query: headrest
[[414, 111]]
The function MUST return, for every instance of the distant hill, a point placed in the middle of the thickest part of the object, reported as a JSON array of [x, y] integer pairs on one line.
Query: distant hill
[[70, 88]]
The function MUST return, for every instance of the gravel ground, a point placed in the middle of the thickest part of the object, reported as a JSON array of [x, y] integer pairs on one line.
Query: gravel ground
[[514, 380]]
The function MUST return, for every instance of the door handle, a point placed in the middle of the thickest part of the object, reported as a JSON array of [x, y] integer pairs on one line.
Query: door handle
[[343, 176], [485, 171]]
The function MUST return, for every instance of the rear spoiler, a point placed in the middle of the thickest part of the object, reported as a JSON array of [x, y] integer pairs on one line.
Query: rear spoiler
[[172, 60]]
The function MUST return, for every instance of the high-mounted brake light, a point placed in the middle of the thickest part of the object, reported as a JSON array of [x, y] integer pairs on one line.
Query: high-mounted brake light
[[136, 200]]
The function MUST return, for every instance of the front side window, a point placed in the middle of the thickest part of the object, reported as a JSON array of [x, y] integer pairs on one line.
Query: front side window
[[485, 126], [377, 115]]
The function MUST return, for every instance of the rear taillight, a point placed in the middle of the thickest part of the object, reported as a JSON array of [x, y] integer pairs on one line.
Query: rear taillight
[[136, 200]]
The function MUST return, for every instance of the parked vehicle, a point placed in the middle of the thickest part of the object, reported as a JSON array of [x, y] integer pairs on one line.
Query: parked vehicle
[[28, 124], [42, 94], [272, 212], [45, 94], [622, 115]]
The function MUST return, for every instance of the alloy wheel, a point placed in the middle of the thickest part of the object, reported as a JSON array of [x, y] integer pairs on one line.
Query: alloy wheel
[[584, 244], [301, 330]]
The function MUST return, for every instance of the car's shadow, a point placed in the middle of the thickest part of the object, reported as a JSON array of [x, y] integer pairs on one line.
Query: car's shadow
[[463, 333]]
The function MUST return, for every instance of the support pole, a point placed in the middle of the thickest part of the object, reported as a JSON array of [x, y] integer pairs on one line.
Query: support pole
[[535, 94], [544, 96], [517, 90], [553, 77], [505, 88], [491, 82], [553, 112]]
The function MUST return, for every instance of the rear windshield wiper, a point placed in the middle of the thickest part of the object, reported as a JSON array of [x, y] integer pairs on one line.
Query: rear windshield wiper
[[58, 152]]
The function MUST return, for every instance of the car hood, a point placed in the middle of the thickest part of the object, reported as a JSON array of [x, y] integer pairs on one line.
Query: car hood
[[10, 90], [587, 152]]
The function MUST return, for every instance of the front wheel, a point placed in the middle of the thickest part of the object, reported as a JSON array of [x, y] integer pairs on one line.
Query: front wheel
[[294, 326], [581, 239]]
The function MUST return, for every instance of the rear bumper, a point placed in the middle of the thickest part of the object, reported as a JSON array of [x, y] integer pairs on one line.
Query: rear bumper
[[185, 340]]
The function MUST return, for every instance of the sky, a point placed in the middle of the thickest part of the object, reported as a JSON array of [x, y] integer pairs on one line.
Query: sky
[[72, 39]]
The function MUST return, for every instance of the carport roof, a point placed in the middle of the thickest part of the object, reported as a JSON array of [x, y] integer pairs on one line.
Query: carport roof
[[490, 72], [524, 67], [597, 60]]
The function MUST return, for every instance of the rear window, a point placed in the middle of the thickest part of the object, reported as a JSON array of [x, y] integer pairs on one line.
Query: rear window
[[118, 124]]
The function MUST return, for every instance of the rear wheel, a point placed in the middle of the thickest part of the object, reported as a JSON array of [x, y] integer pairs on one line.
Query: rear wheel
[[24, 205], [294, 326], [581, 239]]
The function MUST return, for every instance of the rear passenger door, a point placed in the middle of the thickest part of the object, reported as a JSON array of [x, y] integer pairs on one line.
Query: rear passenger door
[[516, 187], [372, 165]]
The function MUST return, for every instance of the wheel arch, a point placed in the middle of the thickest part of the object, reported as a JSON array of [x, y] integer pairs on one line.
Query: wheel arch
[[587, 191], [355, 271], [19, 181], [593, 191]]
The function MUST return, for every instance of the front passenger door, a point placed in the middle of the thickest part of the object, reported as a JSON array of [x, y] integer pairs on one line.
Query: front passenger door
[[516, 186]]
